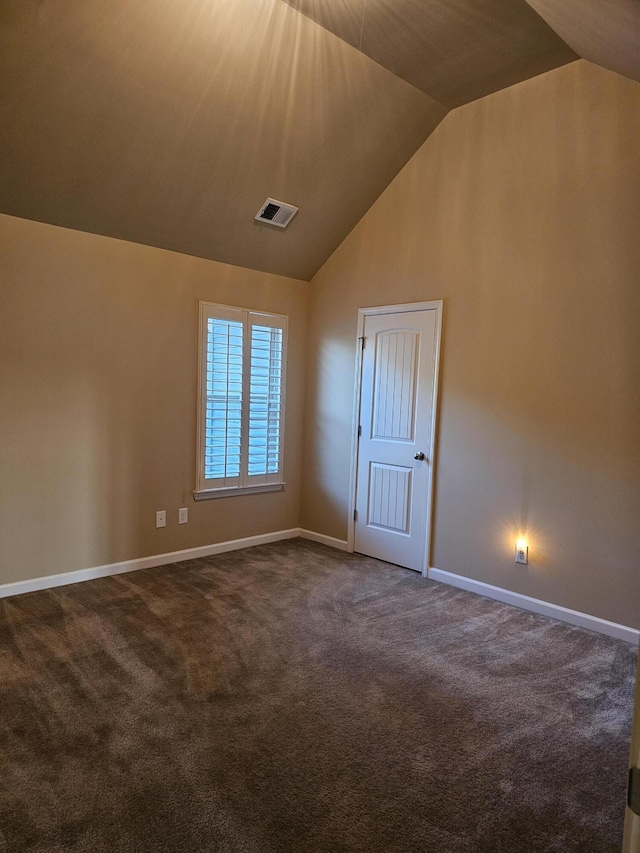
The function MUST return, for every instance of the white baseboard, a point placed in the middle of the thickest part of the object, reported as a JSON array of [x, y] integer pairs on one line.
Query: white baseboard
[[535, 605], [340, 544], [555, 611], [50, 581]]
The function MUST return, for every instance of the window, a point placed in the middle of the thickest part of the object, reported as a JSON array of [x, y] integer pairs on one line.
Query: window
[[241, 401]]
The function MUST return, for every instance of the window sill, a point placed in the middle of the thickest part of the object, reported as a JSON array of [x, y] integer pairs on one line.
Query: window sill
[[209, 494]]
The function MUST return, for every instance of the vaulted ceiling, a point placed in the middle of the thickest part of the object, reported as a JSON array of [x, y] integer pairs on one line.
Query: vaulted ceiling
[[170, 123], [453, 51]]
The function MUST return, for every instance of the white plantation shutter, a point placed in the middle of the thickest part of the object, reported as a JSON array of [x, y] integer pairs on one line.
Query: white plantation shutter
[[242, 398], [223, 413], [265, 398]]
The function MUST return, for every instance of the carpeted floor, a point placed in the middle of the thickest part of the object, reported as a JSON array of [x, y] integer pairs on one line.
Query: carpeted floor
[[292, 698]]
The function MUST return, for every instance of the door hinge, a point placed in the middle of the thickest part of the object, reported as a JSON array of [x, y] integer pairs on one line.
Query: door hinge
[[359, 430], [362, 340], [633, 790], [355, 515]]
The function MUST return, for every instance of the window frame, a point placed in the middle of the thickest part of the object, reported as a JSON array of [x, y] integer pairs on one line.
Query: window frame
[[245, 483]]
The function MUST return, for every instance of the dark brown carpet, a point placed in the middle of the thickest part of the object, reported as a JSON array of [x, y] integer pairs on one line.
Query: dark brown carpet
[[293, 698]]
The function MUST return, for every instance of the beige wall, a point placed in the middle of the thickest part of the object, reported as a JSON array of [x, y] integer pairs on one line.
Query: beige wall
[[522, 212], [98, 399]]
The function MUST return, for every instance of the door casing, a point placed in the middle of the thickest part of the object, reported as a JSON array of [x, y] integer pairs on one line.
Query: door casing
[[363, 313]]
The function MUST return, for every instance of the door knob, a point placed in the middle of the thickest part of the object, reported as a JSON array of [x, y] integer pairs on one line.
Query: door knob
[[419, 456]]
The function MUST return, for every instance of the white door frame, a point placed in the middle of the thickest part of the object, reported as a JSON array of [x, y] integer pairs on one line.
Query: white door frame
[[363, 313]]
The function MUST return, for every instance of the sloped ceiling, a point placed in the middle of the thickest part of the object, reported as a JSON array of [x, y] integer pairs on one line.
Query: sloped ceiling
[[606, 32], [453, 50], [170, 123]]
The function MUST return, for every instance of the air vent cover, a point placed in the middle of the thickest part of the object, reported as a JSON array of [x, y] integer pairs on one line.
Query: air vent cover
[[276, 213]]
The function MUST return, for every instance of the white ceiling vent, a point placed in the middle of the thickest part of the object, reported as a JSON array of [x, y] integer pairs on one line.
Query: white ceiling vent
[[276, 213]]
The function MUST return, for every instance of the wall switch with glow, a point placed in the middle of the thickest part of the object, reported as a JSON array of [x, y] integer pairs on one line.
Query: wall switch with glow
[[183, 515], [161, 518], [522, 553]]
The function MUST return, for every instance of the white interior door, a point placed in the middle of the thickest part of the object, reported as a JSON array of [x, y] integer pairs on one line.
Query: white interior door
[[396, 433]]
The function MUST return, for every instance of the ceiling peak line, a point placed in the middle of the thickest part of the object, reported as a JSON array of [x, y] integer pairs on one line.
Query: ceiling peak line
[[364, 12]]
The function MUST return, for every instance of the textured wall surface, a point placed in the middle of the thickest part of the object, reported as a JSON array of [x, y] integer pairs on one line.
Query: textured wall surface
[[98, 369], [522, 212]]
